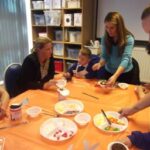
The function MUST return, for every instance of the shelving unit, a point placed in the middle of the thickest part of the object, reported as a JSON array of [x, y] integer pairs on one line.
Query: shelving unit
[[86, 31]]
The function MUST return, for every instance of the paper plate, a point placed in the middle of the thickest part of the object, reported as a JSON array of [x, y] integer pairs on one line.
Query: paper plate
[[58, 129], [69, 107], [118, 125]]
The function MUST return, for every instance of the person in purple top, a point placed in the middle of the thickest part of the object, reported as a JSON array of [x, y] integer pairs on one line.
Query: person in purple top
[[137, 138]]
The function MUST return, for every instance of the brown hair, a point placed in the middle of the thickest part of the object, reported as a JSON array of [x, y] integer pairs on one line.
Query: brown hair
[[145, 13], [86, 52], [40, 42], [117, 19]]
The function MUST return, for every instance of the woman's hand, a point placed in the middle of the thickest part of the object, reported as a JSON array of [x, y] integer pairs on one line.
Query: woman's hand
[[48, 84], [111, 81], [96, 66]]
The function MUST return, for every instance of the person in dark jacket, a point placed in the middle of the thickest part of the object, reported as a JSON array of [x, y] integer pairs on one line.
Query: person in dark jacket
[[137, 138], [38, 67], [83, 68]]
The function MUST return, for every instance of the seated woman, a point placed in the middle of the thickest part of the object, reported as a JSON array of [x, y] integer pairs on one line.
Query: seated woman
[[117, 46], [83, 68], [4, 101], [38, 68]]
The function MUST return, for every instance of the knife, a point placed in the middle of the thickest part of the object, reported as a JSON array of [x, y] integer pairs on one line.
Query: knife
[[104, 114]]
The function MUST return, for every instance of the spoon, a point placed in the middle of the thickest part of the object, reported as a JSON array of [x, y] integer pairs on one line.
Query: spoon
[[25, 101]]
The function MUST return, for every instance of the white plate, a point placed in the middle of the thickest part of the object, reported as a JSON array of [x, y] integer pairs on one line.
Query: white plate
[[58, 129], [123, 85], [69, 107], [110, 145], [101, 122]]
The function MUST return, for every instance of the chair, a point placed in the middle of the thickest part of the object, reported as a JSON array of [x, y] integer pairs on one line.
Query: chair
[[11, 75], [136, 72]]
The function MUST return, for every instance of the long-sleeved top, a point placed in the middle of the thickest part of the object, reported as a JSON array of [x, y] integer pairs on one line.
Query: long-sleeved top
[[140, 140], [113, 60], [91, 74], [31, 75]]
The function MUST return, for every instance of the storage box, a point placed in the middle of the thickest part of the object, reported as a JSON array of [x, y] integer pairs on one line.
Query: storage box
[[39, 19], [58, 49], [68, 19], [48, 4], [72, 53], [73, 4], [75, 36], [77, 19], [38, 4], [58, 35], [53, 17], [58, 65], [56, 4]]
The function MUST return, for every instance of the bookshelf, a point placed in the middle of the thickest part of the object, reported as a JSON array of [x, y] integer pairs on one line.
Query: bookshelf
[[65, 47]]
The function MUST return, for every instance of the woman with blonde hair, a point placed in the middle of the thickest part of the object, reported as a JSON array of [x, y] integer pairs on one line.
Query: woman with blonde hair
[[38, 67], [117, 46]]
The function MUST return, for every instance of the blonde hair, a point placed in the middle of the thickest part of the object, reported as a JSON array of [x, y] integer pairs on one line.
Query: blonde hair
[[122, 32], [86, 52], [40, 42]]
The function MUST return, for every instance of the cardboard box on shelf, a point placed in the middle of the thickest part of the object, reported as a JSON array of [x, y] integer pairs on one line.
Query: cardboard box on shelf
[[73, 3]]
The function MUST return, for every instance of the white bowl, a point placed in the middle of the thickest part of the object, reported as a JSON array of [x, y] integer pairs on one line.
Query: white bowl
[[123, 85], [82, 119], [111, 144], [34, 111]]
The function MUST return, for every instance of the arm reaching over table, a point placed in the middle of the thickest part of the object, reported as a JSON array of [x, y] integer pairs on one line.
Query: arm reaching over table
[[143, 103]]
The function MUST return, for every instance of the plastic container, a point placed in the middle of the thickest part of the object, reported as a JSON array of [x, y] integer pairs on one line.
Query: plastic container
[[34, 111], [38, 4], [58, 35], [112, 143], [75, 36], [39, 19], [15, 112], [82, 119], [58, 65], [72, 53]]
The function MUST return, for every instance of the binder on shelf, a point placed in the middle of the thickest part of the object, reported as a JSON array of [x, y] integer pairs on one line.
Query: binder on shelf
[[48, 4]]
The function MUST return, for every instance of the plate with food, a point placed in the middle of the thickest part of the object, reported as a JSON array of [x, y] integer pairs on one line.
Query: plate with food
[[69, 107], [58, 129], [117, 124]]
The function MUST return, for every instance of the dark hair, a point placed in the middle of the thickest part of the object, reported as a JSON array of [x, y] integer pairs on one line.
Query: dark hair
[[116, 19], [145, 13]]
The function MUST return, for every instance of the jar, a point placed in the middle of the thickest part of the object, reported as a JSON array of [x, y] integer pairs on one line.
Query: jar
[[15, 112]]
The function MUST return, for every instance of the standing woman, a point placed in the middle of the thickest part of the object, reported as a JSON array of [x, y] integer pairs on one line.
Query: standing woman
[[117, 46], [38, 68]]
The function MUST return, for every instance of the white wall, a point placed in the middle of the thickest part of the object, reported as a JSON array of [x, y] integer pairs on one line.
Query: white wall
[[131, 11]]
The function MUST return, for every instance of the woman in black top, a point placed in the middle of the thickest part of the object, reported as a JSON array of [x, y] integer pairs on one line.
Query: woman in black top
[[38, 68]]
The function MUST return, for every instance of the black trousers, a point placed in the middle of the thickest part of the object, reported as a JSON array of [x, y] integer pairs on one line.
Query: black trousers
[[127, 77]]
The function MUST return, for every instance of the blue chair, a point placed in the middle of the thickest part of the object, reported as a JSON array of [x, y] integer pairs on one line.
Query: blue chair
[[11, 75]]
